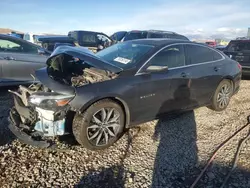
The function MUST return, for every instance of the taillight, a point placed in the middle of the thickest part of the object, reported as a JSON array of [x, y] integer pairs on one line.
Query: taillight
[[239, 66]]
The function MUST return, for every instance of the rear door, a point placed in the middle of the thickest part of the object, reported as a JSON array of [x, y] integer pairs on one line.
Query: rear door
[[204, 67], [19, 60]]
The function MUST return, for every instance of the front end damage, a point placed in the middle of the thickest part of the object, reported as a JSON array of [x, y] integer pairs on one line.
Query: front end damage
[[41, 111], [37, 116]]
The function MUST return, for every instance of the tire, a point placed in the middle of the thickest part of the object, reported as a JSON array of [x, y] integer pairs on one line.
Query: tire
[[88, 127], [224, 93]]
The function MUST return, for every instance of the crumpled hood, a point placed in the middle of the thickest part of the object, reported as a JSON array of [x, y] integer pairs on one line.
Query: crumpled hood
[[86, 55], [46, 80]]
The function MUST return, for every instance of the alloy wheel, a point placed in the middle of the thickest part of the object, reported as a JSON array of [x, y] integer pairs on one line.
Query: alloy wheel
[[224, 95], [104, 126]]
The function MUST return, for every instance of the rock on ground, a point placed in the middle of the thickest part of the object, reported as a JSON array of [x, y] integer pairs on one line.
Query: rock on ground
[[169, 152]]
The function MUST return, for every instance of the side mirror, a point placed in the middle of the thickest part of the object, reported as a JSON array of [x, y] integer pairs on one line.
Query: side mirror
[[156, 68], [41, 51]]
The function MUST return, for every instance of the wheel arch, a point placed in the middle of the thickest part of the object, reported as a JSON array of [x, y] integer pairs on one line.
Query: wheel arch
[[116, 99], [230, 78]]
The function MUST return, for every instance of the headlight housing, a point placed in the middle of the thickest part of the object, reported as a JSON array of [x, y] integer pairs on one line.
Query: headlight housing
[[50, 100]]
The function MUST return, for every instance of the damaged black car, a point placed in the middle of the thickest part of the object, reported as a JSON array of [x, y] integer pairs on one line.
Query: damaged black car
[[96, 97]]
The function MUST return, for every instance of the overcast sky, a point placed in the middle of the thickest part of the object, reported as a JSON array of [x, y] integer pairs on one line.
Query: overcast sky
[[216, 18]]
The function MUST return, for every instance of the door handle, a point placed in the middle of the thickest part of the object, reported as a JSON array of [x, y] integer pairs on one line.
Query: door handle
[[216, 69], [184, 75], [9, 58]]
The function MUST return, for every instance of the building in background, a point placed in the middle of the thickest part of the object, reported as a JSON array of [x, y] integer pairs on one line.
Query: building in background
[[248, 33]]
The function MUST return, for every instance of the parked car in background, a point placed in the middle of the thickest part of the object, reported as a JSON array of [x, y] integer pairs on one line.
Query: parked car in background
[[220, 47], [98, 96], [142, 34], [19, 59], [16, 34], [95, 41], [239, 50], [211, 43], [48, 41], [118, 36], [30, 37]]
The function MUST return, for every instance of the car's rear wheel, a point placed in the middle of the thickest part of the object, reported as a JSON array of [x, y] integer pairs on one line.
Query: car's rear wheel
[[222, 96], [100, 125]]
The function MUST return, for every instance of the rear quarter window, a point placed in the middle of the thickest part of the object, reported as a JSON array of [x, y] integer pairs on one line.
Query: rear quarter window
[[196, 54]]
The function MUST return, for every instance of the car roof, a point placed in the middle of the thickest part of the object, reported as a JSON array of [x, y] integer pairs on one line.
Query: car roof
[[55, 37], [240, 40], [83, 31], [160, 41], [15, 38], [153, 31]]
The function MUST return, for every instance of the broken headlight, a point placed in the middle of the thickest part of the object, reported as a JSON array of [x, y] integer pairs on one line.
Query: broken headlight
[[49, 100]]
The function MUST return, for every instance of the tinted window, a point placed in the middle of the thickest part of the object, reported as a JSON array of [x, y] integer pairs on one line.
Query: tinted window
[[135, 35], [124, 55], [118, 36], [237, 46], [88, 38], [172, 56], [200, 54], [178, 37], [157, 35], [216, 56], [103, 40], [73, 35], [26, 37], [17, 46]]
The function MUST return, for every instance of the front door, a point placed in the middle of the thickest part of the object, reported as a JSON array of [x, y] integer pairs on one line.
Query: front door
[[160, 84]]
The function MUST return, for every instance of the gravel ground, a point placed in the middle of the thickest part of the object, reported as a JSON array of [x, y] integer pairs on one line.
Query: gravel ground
[[169, 152]]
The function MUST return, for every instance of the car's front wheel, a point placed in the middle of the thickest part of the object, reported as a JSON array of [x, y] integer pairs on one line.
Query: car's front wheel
[[100, 125], [222, 96]]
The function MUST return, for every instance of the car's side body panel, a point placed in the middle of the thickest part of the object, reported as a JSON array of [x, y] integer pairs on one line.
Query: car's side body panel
[[19, 59]]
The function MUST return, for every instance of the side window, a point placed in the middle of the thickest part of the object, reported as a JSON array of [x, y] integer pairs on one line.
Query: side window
[[118, 36], [172, 56], [216, 56], [103, 40], [16, 46], [9, 46], [89, 38], [196, 54]]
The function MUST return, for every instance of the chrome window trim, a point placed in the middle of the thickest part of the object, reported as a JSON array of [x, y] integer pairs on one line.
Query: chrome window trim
[[222, 57]]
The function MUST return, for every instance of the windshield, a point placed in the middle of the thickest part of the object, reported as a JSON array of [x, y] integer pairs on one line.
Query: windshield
[[236, 46], [135, 35], [124, 55]]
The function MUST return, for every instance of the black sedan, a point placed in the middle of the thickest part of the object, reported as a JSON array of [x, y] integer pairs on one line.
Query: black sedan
[[19, 59], [98, 96]]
